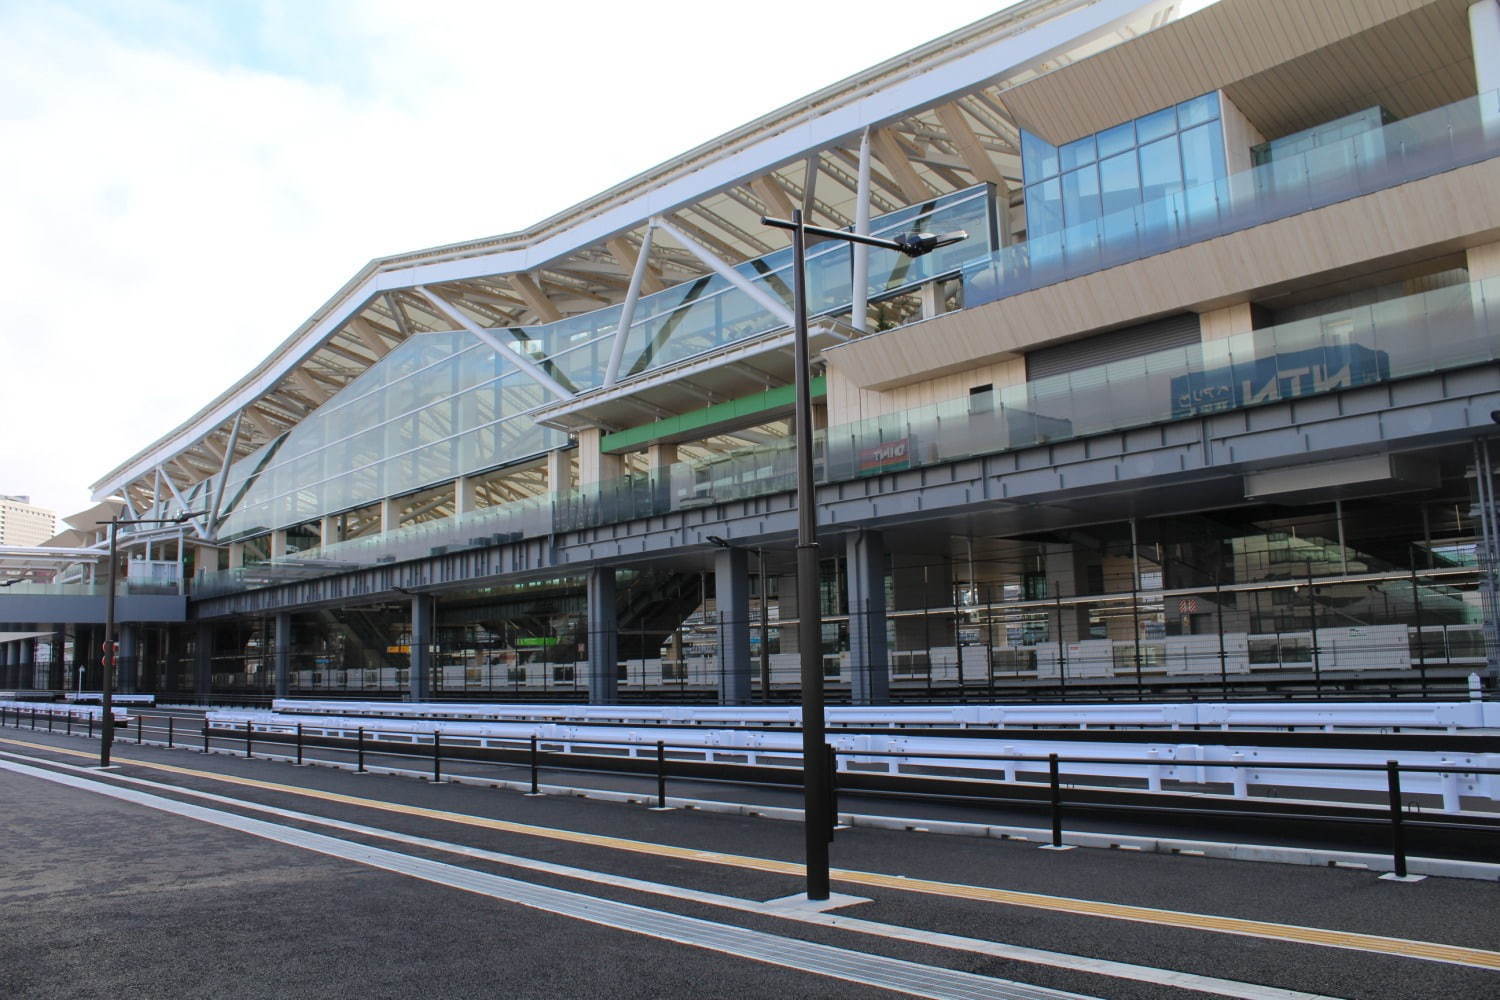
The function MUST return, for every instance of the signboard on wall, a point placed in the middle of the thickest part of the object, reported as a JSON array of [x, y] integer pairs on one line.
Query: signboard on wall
[[1276, 377], [888, 456]]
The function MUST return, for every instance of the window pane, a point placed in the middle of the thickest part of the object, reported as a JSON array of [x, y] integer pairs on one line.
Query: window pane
[[1161, 173], [1080, 196], [1043, 209], [1119, 183], [1154, 126], [1198, 110], [1117, 139], [1076, 154], [1038, 157]]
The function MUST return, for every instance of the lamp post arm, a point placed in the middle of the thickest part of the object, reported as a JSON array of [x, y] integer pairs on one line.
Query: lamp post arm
[[835, 234]]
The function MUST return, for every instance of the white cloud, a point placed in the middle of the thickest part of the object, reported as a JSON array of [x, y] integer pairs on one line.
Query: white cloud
[[180, 187]]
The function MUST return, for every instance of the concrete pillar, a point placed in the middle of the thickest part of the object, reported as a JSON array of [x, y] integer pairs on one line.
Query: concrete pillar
[[203, 651], [732, 599], [464, 499], [278, 543], [10, 665], [205, 559], [593, 465], [1220, 324], [236, 555], [660, 457], [869, 656], [560, 470], [25, 672], [390, 515], [328, 530], [1067, 573], [130, 658], [283, 658], [423, 635], [603, 638], [1484, 36]]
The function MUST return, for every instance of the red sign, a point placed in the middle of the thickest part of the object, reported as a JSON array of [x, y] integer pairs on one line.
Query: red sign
[[888, 456], [1188, 606]]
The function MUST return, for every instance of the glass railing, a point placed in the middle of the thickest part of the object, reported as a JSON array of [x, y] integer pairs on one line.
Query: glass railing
[[1419, 146], [123, 588], [1439, 330]]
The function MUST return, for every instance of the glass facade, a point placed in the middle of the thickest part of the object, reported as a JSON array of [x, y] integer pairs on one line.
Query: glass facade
[[1070, 188], [442, 405]]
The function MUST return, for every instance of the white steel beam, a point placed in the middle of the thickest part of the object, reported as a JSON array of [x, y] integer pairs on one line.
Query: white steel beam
[[515, 357], [627, 311], [859, 315], [773, 306]]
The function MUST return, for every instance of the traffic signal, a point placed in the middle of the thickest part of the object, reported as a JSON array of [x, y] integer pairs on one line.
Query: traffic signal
[[111, 654]]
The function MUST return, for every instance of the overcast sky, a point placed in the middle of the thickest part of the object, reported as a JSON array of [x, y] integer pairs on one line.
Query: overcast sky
[[182, 184]]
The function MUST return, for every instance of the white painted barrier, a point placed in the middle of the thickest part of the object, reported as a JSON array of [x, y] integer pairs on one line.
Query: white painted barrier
[[1380, 716], [94, 697], [42, 708], [1148, 764]]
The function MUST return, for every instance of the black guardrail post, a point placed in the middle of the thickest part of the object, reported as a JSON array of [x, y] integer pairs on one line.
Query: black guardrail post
[[49, 720], [1056, 800], [359, 749], [832, 797], [70, 722], [661, 775], [91, 725], [205, 735], [170, 720], [140, 729], [536, 788], [33, 720], [299, 744], [437, 756], [1398, 832], [249, 733]]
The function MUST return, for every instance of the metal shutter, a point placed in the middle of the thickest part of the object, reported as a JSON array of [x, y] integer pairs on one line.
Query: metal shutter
[[1102, 348]]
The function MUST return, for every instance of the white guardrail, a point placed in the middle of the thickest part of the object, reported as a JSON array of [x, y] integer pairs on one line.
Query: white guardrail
[[95, 697], [1147, 764], [1327, 716], [44, 709]]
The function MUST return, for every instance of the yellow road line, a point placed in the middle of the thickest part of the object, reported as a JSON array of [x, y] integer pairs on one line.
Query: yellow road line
[[1403, 947]]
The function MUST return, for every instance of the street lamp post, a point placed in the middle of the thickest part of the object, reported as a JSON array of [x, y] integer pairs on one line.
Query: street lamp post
[[106, 688], [817, 789]]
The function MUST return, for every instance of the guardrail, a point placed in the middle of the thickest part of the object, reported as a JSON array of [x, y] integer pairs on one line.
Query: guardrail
[[92, 697], [915, 766], [17, 713], [1449, 715], [1189, 763]]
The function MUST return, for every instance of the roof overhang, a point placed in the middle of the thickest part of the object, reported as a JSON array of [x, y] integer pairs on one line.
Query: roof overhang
[[1023, 36]]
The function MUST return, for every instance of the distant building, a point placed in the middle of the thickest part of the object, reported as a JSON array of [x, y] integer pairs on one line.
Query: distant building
[[22, 523]]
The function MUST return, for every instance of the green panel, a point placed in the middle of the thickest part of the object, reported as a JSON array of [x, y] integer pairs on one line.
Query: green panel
[[735, 410]]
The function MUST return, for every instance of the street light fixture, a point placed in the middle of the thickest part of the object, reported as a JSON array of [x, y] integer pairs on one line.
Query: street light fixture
[[106, 688], [817, 786]]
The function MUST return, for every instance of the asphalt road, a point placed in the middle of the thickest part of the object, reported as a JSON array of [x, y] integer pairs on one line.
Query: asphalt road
[[100, 896]]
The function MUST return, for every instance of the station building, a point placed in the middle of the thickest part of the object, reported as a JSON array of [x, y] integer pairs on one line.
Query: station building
[[1200, 408]]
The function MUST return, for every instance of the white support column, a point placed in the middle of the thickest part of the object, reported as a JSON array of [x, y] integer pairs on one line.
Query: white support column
[[1484, 36], [328, 530], [627, 311], [660, 457], [594, 466], [860, 310], [236, 555], [278, 543], [771, 305], [390, 515], [464, 498], [560, 470]]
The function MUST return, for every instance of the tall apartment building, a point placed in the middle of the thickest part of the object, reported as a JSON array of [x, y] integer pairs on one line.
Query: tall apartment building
[[1201, 407], [23, 523]]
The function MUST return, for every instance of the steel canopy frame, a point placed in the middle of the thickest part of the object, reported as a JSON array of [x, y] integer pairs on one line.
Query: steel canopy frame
[[933, 74]]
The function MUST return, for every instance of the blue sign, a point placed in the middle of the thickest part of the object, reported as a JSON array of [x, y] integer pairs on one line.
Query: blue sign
[[1277, 377]]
